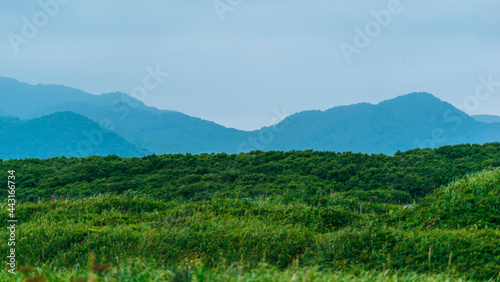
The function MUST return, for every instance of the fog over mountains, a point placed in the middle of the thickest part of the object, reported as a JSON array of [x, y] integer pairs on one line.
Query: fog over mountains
[[41, 121]]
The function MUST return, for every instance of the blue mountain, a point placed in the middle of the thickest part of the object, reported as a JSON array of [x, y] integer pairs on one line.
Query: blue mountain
[[405, 122], [60, 134]]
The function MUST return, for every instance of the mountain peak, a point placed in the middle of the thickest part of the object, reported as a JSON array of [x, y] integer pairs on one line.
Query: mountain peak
[[416, 96], [418, 103]]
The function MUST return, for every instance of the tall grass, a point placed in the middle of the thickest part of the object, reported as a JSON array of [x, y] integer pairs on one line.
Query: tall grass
[[138, 271], [264, 239]]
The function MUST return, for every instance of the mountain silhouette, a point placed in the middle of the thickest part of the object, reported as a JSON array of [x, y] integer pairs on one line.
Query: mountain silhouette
[[406, 122], [157, 131], [416, 120], [60, 134]]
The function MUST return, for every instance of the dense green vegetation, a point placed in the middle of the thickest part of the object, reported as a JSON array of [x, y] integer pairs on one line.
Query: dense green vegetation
[[402, 177], [259, 217], [137, 271]]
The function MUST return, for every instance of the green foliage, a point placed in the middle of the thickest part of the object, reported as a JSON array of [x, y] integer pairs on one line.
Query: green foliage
[[259, 214], [382, 248], [327, 234], [137, 271], [472, 202], [403, 177]]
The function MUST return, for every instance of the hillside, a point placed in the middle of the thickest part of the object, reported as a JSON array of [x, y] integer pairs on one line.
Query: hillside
[[310, 232], [60, 134], [471, 201]]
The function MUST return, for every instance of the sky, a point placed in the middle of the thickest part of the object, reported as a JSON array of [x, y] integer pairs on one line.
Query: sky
[[246, 64]]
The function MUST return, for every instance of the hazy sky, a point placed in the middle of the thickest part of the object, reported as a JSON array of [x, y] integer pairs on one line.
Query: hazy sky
[[248, 60]]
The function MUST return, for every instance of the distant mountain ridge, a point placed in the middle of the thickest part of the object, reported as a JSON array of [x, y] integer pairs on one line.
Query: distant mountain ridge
[[37, 100], [403, 123], [60, 134], [406, 122], [157, 131]]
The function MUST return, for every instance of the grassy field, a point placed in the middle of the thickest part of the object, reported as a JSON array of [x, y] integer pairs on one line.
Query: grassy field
[[135, 271], [452, 233]]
